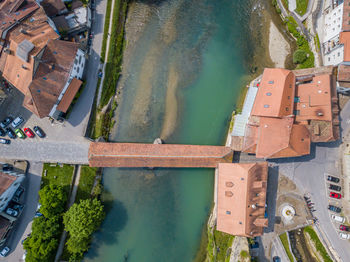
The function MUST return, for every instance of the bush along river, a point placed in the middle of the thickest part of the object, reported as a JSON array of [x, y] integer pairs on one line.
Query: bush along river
[[184, 66]]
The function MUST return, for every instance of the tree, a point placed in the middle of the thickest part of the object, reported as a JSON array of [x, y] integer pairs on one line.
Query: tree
[[42, 244], [299, 56], [80, 221], [53, 200]]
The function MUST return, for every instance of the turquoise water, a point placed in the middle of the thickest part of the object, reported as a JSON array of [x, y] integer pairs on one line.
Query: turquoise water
[[183, 78]]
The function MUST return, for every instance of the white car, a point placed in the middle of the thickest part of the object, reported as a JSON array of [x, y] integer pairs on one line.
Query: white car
[[17, 122], [344, 236], [338, 219], [4, 252], [12, 212]]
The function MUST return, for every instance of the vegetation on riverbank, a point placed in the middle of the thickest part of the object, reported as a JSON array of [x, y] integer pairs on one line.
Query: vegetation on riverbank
[[301, 6], [285, 243], [89, 183], [57, 174], [302, 43], [219, 245], [318, 244], [103, 111], [105, 31]]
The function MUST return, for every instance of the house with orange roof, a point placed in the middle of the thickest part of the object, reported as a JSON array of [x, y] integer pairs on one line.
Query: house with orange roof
[[289, 112], [46, 70], [241, 198]]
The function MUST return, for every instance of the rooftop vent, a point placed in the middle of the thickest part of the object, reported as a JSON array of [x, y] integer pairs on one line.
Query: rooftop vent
[[23, 31]]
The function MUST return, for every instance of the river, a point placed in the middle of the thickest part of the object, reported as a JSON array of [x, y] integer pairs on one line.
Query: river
[[182, 76]]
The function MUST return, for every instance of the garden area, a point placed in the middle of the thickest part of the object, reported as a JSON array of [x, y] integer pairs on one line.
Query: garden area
[[317, 243], [301, 7], [57, 174], [219, 246], [285, 243]]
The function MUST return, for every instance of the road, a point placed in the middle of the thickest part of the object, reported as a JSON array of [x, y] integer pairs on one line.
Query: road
[[277, 249], [308, 173], [23, 224]]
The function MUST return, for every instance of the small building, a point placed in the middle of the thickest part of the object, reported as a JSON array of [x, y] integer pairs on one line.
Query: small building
[[53, 7], [241, 198], [75, 22], [289, 112]]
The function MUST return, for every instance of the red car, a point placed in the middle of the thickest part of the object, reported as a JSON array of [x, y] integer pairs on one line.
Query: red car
[[29, 132], [344, 228], [335, 195]]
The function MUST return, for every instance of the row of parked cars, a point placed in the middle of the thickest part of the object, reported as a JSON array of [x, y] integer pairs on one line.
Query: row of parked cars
[[5, 129], [333, 186]]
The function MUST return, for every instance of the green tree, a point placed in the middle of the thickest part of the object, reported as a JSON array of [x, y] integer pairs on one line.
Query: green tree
[[299, 56], [53, 200], [42, 244], [80, 221]]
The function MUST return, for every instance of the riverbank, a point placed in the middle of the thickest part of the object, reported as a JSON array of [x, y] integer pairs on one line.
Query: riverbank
[[279, 48]]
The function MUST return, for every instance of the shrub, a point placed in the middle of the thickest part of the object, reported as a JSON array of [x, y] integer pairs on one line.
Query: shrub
[[299, 56]]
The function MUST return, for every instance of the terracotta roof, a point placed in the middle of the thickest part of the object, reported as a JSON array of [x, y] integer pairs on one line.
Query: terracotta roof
[[61, 22], [275, 93], [314, 99], [16, 71], [346, 16], [13, 11], [345, 39], [53, 7], [6, 181], [69, 95], [4, 226], [241, 198], [343, 73], [76, 4], [155, 155], [51, 76]]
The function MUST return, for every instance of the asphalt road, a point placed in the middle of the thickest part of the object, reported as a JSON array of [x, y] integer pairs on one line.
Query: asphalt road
[[23, 224], [309, 174]]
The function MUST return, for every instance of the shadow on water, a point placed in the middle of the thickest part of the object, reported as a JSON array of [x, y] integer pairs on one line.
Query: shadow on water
[[116, 211]]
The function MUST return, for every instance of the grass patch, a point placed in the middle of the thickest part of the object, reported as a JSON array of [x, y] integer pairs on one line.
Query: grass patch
[[232, 121], [115, 52], [301, 6], [86, 182], [318, 244], [57, 175], [317, 41], [223, 243], [302, 43], [285, 243], [244, 254], [105, 30]]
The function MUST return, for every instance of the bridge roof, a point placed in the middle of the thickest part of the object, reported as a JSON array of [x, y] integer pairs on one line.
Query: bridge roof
[[157, 155]]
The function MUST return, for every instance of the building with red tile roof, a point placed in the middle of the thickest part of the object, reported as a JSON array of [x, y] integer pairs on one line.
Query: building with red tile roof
[[290, 112], [241, 198], [157, 155], [33, 60]]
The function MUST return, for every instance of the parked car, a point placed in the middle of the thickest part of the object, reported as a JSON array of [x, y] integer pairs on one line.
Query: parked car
[[12, 212], [6, 122], [334, 208], [10, 133], [2, 132], [29, 132], [4, 141], [7, 167], [334, 195], [20, 133], [344, 236], [39, 132], [38, 214], [338, 218], [333, 179], [19, 192], [344, 228], [335, 187], [276, 259], [18, 207], [17, 122], [4, 251]]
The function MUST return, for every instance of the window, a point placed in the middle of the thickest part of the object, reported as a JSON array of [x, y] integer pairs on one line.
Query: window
[[296, 112], [296, 99], [228, 212], [329, 59], [290, 85], [338, 54], [79, 59], [266, 106], [268, 93], [288, 97], [271, 82]]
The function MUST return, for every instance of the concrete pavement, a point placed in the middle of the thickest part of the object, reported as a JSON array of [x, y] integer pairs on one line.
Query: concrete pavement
[[277, 249], [309, 174], [24, 223]]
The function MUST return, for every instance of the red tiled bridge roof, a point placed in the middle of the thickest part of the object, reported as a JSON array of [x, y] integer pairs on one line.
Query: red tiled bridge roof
[[157, 155]]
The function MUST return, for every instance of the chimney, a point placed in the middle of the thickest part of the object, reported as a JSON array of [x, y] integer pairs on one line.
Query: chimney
[[23, 31], [24, 67], [7, 50]]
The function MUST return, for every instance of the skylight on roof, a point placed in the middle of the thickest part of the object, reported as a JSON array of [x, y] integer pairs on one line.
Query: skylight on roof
[[271, 82], [266, 106], [54, 52], [45, 78], [268, 93]]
